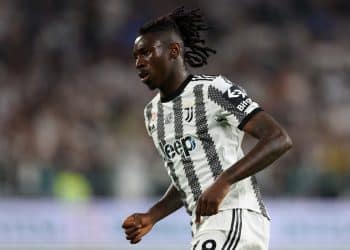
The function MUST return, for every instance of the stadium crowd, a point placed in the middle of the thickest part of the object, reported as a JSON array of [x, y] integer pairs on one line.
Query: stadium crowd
[[71, 103]]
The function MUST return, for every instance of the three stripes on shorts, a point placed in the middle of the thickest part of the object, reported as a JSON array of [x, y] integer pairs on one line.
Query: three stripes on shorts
[[234, 234]]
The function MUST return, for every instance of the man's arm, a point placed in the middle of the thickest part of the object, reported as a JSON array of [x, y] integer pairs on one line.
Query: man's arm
[[273, 141], [169, 203], [139, 224]]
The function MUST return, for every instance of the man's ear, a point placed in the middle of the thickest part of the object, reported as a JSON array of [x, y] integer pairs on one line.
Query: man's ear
[[174, 50]]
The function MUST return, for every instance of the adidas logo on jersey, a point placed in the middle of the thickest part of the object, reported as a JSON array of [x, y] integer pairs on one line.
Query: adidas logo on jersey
[[169, 118], [181, 147]]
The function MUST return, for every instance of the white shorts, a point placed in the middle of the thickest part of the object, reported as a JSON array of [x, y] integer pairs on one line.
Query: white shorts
[[238, 229]]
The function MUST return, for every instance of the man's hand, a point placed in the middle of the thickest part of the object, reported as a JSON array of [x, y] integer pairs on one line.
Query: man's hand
[[136, 226], [209, 201], [139, 224]]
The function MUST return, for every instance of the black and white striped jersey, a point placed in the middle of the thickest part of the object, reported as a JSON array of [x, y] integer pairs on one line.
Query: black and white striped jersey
[[198, 133]]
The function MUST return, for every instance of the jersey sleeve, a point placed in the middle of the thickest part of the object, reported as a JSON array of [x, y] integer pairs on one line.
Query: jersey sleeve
[[232, 102]]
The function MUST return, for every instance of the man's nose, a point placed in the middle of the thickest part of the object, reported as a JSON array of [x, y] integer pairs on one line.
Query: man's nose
[[140, 62]]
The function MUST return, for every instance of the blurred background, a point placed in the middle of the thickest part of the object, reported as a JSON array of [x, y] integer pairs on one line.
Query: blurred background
[[72, 136]]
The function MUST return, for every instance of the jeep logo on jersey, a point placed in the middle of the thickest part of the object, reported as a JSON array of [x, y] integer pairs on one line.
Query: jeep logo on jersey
[[181, 147]]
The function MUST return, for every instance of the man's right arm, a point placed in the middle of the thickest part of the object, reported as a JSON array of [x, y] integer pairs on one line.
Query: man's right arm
[[139, 224], [169, 203]]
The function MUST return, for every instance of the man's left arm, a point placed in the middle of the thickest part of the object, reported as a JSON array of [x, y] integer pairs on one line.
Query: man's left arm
[[273, 141]]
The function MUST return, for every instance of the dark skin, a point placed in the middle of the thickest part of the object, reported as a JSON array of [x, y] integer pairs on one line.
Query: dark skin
[[162, 56], [159, 55]]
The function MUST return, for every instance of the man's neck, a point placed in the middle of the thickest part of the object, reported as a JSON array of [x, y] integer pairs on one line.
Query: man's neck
[[174, 82]]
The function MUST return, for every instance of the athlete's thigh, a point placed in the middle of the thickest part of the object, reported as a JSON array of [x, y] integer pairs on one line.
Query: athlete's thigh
[[247, 230], [209, 240]]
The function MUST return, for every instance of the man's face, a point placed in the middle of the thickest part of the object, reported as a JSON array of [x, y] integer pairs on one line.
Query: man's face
[[152, 60]]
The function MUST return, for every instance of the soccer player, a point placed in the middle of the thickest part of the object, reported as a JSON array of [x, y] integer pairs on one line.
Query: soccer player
[[197, 123]]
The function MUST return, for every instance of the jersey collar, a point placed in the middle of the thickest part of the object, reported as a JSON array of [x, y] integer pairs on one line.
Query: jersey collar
[[178, 91]]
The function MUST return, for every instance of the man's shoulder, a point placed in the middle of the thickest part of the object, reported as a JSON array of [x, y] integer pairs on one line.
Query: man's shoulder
[[217, 81], [203, 78]]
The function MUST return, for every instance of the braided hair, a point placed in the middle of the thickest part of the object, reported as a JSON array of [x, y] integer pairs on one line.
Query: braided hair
[[188, 26]]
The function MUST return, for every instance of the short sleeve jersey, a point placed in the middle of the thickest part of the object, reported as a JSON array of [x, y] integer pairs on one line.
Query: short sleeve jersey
[[198, 133]]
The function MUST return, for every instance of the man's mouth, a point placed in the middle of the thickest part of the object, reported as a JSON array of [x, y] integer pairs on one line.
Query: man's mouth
[[144, 75]]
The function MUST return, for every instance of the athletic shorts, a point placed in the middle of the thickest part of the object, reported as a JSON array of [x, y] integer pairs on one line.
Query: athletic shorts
[[239, 229]]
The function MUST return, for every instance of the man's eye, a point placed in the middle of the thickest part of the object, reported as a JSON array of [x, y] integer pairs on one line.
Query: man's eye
[[142, 53], [146, 52]]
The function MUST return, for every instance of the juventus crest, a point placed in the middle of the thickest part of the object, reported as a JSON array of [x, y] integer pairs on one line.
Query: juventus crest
[[189, 114]]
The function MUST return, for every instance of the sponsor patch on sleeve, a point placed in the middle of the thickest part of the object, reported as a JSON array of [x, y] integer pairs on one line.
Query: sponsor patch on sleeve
[[237, 97]]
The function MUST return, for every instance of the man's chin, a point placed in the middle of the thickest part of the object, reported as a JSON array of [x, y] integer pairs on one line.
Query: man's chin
[[150, 85]]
